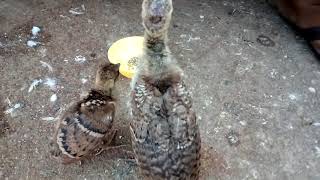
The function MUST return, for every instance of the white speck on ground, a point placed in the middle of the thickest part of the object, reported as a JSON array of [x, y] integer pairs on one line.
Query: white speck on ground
[[317, 151], [8, 101], [53, 98], [311, 89], [45, 64], [238, 54], [35, 30], [32, 43], [243, 123], [48, 118], [316, 124], [78, 10], [12, 109], [201, 16], [43, 52], [34, 84], [255, 173], [233, 138], [183, 36], [193, 38], [51, 83], [74, 12], [84, 80], [80, 59], [223, 114], [273, 74], [292, 96]]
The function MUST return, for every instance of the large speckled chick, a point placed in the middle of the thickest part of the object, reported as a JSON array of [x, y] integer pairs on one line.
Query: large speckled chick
[[87, 124], [165, 135]]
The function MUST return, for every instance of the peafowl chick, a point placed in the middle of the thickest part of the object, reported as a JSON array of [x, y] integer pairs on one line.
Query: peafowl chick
[[87, 124], [164, 131]]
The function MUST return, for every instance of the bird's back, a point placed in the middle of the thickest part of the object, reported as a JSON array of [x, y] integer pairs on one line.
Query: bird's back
[[85, 125], [166, 136]]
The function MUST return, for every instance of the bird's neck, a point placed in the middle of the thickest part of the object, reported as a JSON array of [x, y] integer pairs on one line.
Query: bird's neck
[[156, 52], [156, 44], [104, 90]]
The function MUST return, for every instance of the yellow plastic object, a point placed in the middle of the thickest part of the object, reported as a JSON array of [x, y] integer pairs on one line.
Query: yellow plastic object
[[127, 52]]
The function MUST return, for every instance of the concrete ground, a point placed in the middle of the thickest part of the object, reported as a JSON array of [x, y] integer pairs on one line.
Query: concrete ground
[[255, 84]]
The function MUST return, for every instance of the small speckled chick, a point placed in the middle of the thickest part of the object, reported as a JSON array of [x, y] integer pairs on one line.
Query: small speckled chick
[[87, 124], [164, 131]]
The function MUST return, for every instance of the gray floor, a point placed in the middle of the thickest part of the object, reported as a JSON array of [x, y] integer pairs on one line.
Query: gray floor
[[257, 100]]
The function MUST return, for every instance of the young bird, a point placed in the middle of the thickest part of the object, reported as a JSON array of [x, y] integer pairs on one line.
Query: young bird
[[87, 124], [164, 132]]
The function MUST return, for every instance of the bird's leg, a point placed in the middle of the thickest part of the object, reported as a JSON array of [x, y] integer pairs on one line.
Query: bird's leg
[[119, 151], [67, 160], [107, 140]]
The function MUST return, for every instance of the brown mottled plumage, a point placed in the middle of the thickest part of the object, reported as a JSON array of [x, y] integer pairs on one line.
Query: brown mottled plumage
[[165, 135], [87, 124], [4, 125]]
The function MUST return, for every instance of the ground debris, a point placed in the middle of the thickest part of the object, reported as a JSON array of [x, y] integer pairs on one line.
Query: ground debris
[[78, 10], [12, 109], [34, 84], [265, 41], [233, 138], [47, 65]]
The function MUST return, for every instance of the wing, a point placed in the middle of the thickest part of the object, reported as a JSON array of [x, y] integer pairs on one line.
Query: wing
[[100, 110], [73, 140], [147, 113], [149, 130], [84, 125], [165, 134], [185, 138]]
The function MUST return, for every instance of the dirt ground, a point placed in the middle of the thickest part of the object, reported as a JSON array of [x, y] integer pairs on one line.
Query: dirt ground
[[255, 85]]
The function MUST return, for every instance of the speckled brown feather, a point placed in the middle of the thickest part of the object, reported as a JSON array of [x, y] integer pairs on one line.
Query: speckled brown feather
[[166, 138], [165, 135], [87, 124]]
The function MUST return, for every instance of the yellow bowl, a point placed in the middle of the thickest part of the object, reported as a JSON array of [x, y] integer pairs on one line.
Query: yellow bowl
[[127, 52]]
